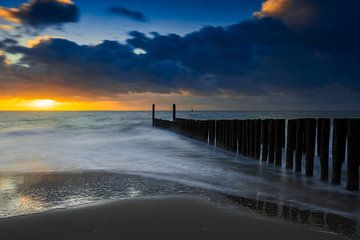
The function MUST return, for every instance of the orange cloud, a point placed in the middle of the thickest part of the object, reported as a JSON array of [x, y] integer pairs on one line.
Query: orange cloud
[[287, 10], [9, 14], [36, 41]]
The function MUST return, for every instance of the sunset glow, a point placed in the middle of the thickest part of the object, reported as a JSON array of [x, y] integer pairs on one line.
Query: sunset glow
[[19, 104]]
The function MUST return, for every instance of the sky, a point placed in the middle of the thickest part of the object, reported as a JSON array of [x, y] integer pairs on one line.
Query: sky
[[200, 54]]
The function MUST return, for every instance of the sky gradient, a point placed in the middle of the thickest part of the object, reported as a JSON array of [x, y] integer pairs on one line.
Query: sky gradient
[[206, 55]]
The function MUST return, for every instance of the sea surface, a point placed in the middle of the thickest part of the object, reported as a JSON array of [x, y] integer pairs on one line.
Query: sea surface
[[54, 160]]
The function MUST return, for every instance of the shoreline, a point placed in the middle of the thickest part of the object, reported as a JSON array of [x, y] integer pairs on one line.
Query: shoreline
[[154, 218]]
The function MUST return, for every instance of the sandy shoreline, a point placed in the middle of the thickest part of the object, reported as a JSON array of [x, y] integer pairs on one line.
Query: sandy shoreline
[[150, 218]]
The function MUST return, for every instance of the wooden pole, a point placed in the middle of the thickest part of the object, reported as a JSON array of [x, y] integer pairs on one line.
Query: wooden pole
[[257, 139], [271, 141], [310, 146], [243, 137], [299, 144], [318, 142], [290, 145], [252, 138], [324, 149], [339, 148], [353, 160], [264, 139], [153, 114], [278, 141], [174, 112]]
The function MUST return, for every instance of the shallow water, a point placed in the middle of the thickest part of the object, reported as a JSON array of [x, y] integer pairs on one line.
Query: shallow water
[[75, 146]]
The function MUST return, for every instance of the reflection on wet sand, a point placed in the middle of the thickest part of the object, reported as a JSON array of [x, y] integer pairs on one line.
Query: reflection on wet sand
[[30, 193], [315, 218]]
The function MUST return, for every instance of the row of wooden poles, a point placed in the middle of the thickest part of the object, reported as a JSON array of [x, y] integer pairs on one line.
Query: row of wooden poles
[[265, 139]]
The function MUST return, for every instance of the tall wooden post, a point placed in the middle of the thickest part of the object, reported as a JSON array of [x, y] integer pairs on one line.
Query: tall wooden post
[[310, 146], [257, 139], [174, 112], [319, 129], [324, 149], [153, 114], [264, 139], [339, 145], [353, 160], [299, 144], [278, 141], [290, 145], [271, 141]]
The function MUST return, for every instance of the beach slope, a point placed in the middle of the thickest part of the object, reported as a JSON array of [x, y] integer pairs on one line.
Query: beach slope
[[150, 218]]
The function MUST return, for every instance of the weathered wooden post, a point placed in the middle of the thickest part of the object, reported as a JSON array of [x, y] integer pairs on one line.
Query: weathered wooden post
[[310, 146], [324, 149], [174, 112], [279, 135], [264, 139], [290, 145], [252, 138], [240, 131], [153, 114], [319, 129], [212, 132], [257, 139], [339, 148], [353, 156], [299, 144], [271, 141], [243, 137]]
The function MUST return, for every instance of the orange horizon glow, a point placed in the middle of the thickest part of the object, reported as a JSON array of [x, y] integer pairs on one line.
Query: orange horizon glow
[[49, 104], [19, 104]]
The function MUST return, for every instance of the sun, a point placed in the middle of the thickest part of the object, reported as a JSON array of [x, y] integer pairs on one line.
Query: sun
[[43, 104]]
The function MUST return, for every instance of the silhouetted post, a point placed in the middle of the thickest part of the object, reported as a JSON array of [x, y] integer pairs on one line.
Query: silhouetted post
[[324, 149], [353, 159], [271, 141], [239, 136], [252, 138], [339, 147], [257, 139], [153, 114], [212, 132], [247, 137], [319, 128], [264, 139], [290, 145], [278, 141], [243, 137], [299, 144], [174, 112], [310, 146]]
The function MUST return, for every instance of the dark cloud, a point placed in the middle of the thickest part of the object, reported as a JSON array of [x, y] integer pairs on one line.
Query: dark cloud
[[267, 58], [134, 15], [42, 13]]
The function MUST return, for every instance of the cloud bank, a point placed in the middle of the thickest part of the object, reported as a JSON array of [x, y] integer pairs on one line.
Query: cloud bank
[[42, 13], [291, 51]]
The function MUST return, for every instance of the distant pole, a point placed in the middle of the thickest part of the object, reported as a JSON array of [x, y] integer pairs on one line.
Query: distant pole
[[153, 114], [174, 112]]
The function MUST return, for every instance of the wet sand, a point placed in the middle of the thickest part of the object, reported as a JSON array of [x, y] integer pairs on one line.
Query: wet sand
[[151, 218]]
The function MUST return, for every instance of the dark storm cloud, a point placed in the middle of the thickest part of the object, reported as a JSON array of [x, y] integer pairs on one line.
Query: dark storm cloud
[[134, 15], [269, 56], [42, 13]]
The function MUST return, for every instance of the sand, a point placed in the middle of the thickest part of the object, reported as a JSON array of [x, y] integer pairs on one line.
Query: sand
[[167, 218]]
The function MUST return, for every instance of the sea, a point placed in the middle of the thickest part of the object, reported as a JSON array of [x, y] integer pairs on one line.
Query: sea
[[52, 160]]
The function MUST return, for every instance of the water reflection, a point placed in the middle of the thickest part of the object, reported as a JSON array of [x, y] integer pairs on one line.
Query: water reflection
[[315, 218], [36, 192]]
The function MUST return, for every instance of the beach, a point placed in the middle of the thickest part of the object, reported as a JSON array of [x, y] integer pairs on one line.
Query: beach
[[151, 218]]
